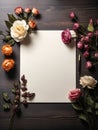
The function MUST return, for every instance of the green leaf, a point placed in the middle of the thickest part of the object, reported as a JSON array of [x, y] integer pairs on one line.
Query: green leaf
[[96, 105], [90, 28], [97, 112], [13, 90], [8, 24], [77, 106], [11, 18], [90, 101], [11, 42], [7, 38], [89, 110], [83, 117], [6, 106], [6, 97]]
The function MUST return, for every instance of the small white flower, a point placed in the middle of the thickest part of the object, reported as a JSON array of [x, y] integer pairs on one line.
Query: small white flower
[[19, 30], [88, 81]]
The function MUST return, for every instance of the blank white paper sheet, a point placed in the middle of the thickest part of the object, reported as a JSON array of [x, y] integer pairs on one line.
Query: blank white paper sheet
[[49, 66]]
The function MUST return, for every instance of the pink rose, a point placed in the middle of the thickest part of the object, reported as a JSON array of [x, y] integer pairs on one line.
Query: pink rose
[[86, 54], [96, 54], [80, 45], [86, 46], [88, 65], [76, 26], [74, 94], [18, 10], [72, 15], [66, 36]]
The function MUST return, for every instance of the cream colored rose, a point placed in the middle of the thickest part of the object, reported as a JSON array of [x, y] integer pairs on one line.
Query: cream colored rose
[[88, 81], [19, 30]]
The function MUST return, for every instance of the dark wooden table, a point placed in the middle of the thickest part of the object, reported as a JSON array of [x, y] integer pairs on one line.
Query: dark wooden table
[[55, 16]]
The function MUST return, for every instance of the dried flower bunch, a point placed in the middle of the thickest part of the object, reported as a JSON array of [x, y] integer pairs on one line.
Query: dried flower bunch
[[86, 39], [19, 90], [85, 98]]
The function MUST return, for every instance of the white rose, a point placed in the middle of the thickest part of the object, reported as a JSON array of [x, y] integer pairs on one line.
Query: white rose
[[88, 81], [19, 30]]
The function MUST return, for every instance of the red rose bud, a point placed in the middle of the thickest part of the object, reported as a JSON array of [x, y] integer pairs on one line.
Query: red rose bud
[[97, 21], [72, 15], [76, 26], [86, 54], [18, 10], [74, 94], [27, 10], [80, 45], [88, 65]]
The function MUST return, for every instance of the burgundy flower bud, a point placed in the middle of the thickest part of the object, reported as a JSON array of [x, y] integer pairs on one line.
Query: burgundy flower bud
[[96, 33], [76, 26], [88, 65], [91, 21], [80, 45], [86, 39], [86, 54], [96, 55], [90, 34], [72, 15], [97, 21], [86, 46]]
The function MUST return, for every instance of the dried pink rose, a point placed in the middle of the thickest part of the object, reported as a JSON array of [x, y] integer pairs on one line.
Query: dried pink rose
[[76, 26], [74, 94], [80, 45], [18, 10], [66, 36], [88, 65], [86, 54], [72, 15], [86, 46], [96, 55], [86, 39]]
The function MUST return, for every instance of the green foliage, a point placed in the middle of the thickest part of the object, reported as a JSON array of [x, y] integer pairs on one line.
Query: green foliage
[[6, 97], [6, 107]]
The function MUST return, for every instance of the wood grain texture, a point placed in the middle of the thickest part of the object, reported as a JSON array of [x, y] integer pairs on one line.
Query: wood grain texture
[[55, 16]]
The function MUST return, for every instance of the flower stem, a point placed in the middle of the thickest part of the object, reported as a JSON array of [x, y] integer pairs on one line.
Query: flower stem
[[11, 121]]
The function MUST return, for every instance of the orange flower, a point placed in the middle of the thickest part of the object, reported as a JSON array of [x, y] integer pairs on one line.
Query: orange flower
[[18, 10], [35, 11], [27, 10], [8, 64], [32, 24], [7, 49]]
